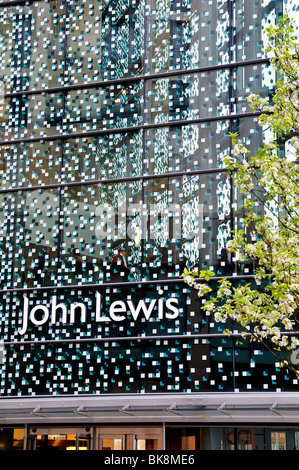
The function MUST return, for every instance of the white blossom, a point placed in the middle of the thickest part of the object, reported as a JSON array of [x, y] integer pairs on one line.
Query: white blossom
[[269, 184]]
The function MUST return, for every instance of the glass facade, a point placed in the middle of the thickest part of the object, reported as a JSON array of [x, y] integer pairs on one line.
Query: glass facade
[[183, 438], [114, 124]]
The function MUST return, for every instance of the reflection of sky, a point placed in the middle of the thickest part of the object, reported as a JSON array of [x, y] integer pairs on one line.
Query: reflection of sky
[[123, 155]]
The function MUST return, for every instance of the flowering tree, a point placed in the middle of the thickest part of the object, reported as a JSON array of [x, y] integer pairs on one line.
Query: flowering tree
[[267, 309]]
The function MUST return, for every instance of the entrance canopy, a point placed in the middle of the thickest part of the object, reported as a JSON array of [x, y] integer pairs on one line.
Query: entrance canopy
[[189, 408]]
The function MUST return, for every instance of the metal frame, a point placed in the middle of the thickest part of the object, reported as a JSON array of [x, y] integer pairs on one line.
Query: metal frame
[[206, 408]]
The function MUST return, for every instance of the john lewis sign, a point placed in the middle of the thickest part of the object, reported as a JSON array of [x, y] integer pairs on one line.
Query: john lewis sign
[[118, 311]]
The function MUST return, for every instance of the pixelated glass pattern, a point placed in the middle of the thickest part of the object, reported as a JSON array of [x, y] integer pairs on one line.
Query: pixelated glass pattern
[[114, 125]]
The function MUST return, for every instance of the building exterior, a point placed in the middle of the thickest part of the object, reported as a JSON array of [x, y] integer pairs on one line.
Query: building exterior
[[114, 124]]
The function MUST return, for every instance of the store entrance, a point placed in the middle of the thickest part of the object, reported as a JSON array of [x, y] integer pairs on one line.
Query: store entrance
[[58, 439], [129, 439], [95, 438]]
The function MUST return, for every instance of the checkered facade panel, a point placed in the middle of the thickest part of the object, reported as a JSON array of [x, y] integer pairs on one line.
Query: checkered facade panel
[[114, 124]]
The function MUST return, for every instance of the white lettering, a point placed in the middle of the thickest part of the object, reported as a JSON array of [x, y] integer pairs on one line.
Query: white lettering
[[141, 306], [99, 318], [44, 319], [116, 460], [54, 310], [160, 308], [118, 311], [83, 312], [117, 307], [25, 316], [171, 307]]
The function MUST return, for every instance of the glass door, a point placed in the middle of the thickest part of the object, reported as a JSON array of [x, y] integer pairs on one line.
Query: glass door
[[147, 441], [278, 440], [58, 439], [112, 442], [130, 439]]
